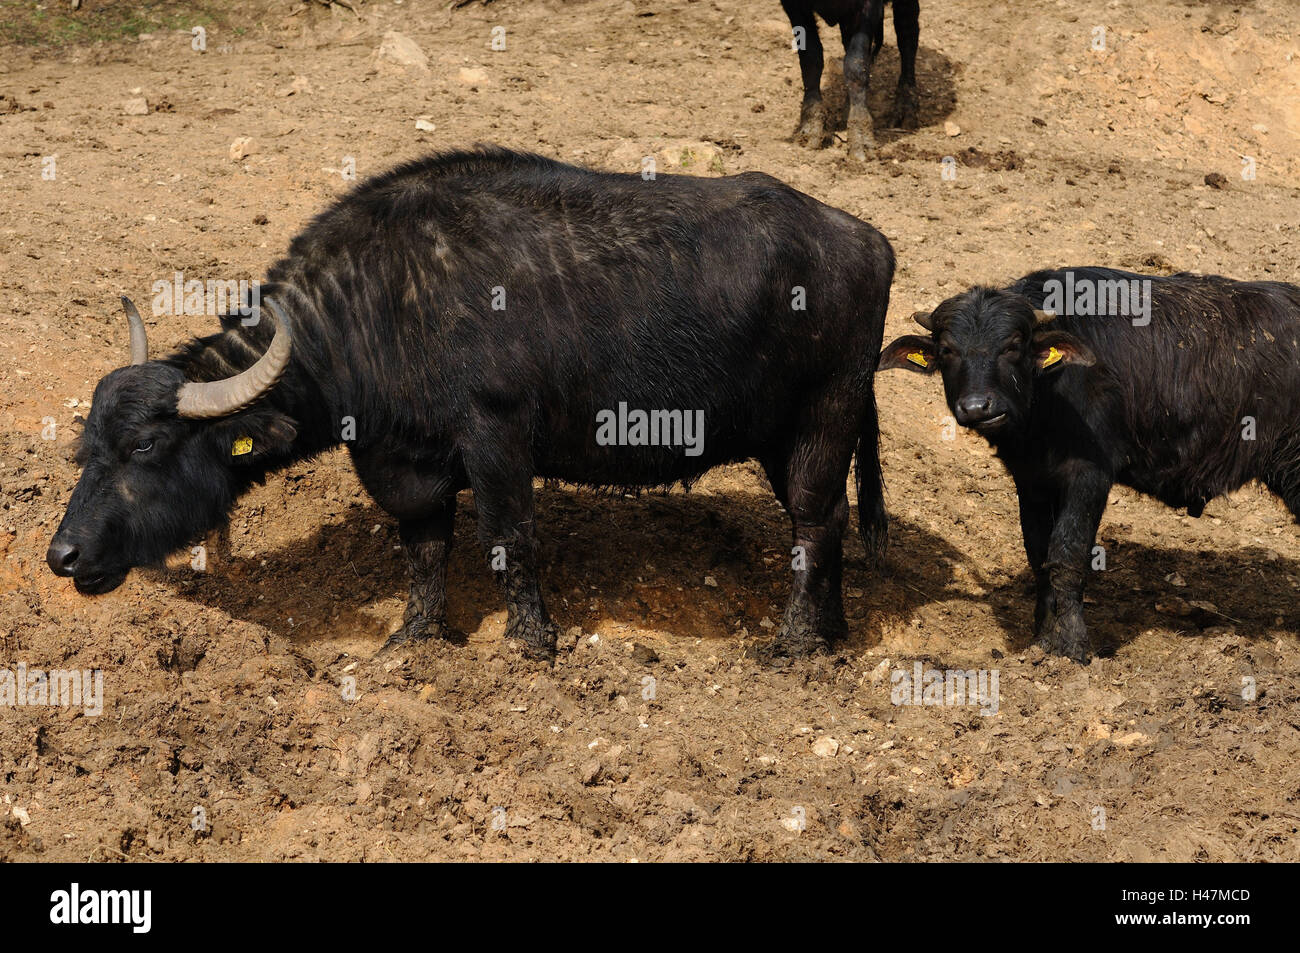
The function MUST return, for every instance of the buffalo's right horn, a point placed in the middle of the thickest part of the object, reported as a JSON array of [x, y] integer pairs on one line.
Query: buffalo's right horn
[[221, 398], [924, 319], [139, 339], [1041, 316]]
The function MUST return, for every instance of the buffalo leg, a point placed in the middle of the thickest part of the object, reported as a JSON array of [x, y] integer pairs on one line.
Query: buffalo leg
[[1036, 521], [907, 101], [423, 499], [503, 494], [1069, 551], [811, 131], [819, 510], [857, 78], [427, 544]]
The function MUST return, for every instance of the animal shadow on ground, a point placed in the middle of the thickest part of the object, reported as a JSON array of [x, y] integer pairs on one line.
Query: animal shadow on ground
[[683, 566], [1242, 592], [935, 75]]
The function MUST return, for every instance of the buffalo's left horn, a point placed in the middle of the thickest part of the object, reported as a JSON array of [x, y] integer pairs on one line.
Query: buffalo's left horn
[[924, 319], [1041, 316], [139, 339], [225, 397]]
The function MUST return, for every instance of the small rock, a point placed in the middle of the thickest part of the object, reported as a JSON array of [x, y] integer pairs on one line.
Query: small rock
[[826, 747], [951, 129], [1131, 739], [472, 75], [1174, 579], [423, 125], [136, 107], [710, 581], [402, 50], [1216, 180], [242, 148]]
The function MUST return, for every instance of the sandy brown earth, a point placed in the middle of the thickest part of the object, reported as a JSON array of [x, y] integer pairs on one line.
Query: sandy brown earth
[[223, 688]]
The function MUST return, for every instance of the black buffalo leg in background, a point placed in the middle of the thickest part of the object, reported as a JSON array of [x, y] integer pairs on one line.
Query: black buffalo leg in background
[[858, 54], [907, 28], [811, 131]]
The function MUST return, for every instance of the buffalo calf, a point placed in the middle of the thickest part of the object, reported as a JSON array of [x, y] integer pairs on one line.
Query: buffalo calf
[[1182, 387]]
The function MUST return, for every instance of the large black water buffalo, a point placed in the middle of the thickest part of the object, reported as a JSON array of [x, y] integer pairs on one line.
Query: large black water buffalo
[[485, 317], [862, 30], [1183, 387]]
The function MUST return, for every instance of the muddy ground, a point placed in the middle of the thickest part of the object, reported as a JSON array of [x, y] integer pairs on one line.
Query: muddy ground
[[224, 689]]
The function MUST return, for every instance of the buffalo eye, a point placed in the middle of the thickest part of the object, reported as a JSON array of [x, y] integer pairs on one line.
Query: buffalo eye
[[1012, 349], [947, 353], [144, 446]]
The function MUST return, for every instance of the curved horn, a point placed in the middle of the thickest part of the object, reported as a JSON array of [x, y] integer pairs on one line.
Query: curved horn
[[1042, 316], [139, 339], [924, 319], [225, 397]]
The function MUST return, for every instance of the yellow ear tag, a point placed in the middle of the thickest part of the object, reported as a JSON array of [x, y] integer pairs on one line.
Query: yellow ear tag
[[917, 358], [242, 446], [1053, 355]]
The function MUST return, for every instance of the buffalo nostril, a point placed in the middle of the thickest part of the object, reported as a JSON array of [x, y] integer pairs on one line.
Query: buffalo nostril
[[62, 558]]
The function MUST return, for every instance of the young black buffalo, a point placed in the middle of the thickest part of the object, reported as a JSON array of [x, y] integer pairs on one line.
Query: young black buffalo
[[1183, 387], [486, 317], [862, 30]]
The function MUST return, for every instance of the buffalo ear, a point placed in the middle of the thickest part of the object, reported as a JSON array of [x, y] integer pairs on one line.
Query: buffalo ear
[[1055, 349], [911, 352], [254, 435]]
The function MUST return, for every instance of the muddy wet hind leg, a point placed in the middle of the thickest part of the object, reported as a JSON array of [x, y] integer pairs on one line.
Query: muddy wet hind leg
[[427, 545], [503, 494], [819, 510]]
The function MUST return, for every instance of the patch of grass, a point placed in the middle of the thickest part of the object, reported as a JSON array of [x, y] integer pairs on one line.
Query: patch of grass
[[53, 23]]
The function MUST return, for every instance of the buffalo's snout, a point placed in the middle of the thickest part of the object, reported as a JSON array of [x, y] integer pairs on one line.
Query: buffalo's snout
[[62, 557], [976, 409]]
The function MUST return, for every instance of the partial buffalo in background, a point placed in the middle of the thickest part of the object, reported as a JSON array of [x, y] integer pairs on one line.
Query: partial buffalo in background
[[481, 318], [862, 30], [1183, 387]]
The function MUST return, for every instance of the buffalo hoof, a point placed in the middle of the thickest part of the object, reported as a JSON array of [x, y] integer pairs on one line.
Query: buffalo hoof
[[537, 636], [800, 636], [811, 133], [1066, 635], [862, 140], [907, 109], [790, 646], [419, 629]]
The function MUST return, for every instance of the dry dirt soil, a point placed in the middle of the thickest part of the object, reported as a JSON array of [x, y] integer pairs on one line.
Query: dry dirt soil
[[224, 690]]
